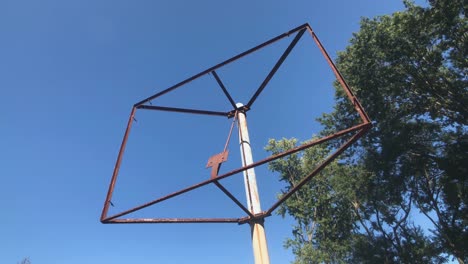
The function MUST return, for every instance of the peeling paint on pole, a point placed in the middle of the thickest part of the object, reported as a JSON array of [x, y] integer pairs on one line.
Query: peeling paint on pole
[[259, 242]]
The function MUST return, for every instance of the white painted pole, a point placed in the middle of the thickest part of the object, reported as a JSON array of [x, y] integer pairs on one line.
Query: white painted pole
[[259, 243]]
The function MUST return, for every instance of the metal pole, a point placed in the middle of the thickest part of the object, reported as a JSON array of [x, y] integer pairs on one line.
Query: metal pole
[[259, 243]]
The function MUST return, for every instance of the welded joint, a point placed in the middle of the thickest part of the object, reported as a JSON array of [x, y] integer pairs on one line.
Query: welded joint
[[256, 219], [243, 109]]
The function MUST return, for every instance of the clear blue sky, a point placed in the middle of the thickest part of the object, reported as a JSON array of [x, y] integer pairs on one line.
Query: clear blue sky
[[70, 72]]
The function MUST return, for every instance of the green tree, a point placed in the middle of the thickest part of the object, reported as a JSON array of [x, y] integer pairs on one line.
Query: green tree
[[318, 236], [409, 70]]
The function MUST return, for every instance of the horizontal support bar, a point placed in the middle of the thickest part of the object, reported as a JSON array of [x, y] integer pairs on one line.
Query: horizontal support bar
[[172, 220], [182, 110]]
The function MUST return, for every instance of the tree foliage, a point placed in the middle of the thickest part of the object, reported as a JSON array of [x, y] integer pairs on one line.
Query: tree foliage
[[409, 70], [318, 235], [25, 261]]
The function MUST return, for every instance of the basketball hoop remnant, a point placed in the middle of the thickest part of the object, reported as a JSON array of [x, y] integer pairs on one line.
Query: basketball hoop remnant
[[253, 214]]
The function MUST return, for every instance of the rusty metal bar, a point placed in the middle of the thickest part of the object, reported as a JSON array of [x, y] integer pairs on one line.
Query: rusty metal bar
[[172, 220], [266, 43], [317, 169], [107, 202], [233, 198], [240, 221], [271, 158], [182, 110], [174, 194], [357, 105], [220, 83], [230, 133], [276, 67]]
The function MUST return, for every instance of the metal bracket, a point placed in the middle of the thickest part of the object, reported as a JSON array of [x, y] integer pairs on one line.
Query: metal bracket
[[215, 162]]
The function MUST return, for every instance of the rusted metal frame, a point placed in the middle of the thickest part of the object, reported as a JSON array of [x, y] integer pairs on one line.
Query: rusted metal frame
[[236, 171], [182, 110], [220, 83], [319, 168], [173, 220], [362, 127], [276, 67], [357, 105], [266, 43], [233, 198], [117, 165]]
